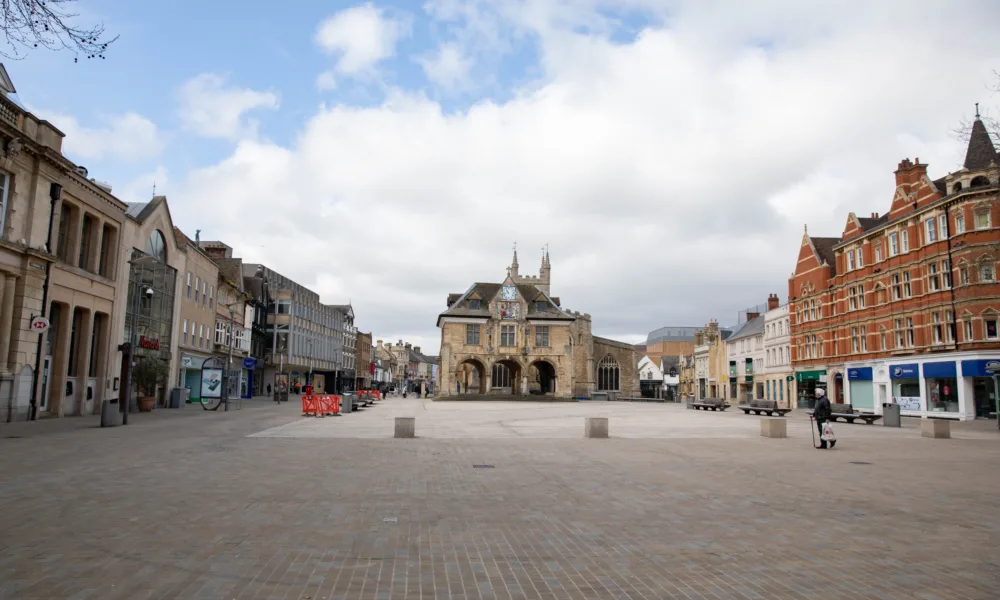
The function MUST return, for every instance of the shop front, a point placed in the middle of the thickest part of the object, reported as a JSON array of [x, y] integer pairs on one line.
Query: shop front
[[860, 389], [807, 384], [190, 374], [905, 380], [981, 386], [941, 388]]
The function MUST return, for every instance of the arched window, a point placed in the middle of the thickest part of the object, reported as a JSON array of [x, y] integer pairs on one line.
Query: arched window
[[979, 181], [957, 188], [608, 374], [155, 246], [500, 376]]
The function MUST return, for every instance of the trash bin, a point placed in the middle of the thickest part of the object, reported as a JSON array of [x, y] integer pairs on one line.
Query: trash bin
[[176, 397], [890, 414], [110, 417]]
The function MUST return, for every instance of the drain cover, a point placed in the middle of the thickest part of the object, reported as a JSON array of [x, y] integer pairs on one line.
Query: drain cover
[[860, 462], [483, 467]]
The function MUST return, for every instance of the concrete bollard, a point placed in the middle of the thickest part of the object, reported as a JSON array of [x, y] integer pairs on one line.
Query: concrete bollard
[[935, 428], [595, 427], [405, 427], [773, 427]]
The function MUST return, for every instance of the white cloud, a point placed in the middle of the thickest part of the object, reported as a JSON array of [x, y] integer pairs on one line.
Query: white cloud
[[213, 108], [361, 37], [448, 67], [129, 137], [140, 188], [670, 175]]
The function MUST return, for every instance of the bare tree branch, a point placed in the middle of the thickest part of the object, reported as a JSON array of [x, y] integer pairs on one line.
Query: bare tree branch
[[964, 129], [31, 24]]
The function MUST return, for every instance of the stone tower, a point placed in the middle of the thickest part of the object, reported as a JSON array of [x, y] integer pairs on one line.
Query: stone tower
[[544, 273]]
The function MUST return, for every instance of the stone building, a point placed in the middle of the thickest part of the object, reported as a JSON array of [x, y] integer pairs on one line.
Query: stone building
[[197, 313], [906, 306], [515, 338], [711, 366], [779, 380], [363, 356], [745, 353]]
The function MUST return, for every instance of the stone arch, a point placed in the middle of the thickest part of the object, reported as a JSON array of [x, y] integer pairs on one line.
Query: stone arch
[[542, 377], [608, 374], [979, 181], [471, 375], [506, 375]]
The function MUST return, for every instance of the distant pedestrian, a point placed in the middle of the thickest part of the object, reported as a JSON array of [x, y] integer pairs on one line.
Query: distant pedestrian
[[269, 389], [822, 412]]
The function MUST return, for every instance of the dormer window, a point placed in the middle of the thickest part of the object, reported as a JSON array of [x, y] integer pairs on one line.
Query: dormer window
[[979, 181], [541, 305], [475, 304]]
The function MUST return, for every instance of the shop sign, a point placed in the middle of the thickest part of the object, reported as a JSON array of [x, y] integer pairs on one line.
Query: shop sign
[[860, 374], [249, 363], [911, 403], [939, 370], [907, 371], [993, 366], [789, 378], [810, 375], [39, 324], [188, 362], [149, 343]]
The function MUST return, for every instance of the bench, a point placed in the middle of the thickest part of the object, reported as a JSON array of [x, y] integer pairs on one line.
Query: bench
[[847, 413], [768, 407], [710, 404]]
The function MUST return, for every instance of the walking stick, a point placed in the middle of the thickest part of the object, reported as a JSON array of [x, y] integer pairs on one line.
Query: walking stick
[[813, 430]]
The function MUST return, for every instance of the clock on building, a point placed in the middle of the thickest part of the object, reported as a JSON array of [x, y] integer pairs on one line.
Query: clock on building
[[507, 293]]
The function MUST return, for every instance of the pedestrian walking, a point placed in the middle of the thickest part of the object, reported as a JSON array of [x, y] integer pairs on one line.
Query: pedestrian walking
[[822, 412]]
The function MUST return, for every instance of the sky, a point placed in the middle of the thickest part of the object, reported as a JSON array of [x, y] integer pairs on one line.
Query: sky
[[669, 153]]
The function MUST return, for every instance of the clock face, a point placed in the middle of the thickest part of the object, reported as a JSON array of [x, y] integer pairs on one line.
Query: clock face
[[507, 293]]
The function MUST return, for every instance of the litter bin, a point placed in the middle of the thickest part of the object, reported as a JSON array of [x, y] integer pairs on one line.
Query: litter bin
[[176, 397], [890, 415], [110, 417]]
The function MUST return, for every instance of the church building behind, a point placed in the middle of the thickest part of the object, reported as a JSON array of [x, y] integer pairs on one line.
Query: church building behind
[[514, 338]]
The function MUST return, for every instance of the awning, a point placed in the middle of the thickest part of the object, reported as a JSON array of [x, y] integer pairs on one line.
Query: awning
[[940, 370], [977, 368]]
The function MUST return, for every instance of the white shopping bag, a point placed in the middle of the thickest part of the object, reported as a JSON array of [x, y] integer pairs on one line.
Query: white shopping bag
[[828, 435]]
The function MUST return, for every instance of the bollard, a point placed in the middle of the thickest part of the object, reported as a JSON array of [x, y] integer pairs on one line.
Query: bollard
[[773, 427], [405, 427], [935, 428], [595, 427]]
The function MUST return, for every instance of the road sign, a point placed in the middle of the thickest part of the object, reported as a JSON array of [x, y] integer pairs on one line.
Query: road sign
[[39, 324]]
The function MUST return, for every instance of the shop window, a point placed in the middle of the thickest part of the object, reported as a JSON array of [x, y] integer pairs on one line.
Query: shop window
[[906, 392], [942, 395]]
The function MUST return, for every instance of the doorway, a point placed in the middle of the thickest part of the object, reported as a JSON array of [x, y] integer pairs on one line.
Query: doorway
[[985, 397]]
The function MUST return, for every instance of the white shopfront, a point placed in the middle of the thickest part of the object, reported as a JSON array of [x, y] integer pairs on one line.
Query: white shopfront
[[949, 386]]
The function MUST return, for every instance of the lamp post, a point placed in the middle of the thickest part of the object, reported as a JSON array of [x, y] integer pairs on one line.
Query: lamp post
[[229, 367], [133, 333]]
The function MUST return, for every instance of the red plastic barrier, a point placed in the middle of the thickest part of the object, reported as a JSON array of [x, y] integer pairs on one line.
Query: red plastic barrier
[[310, 405], [329, 405]]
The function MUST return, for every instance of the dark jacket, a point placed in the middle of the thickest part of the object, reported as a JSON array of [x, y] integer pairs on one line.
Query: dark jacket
[[822, 409]]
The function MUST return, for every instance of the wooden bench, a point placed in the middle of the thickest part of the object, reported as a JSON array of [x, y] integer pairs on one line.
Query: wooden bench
[[847, 413], [710, 404], [768, 407]]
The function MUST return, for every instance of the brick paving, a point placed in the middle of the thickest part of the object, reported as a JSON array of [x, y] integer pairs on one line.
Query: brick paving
[[217, 505]]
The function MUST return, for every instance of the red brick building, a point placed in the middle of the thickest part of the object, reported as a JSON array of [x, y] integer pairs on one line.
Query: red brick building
[[906, 305]]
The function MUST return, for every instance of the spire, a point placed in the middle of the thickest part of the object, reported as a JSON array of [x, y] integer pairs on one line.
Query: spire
[[513, 270], [981, 151]]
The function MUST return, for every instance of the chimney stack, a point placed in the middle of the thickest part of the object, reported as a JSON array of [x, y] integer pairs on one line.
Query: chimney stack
[[773, 302], [752, 315]]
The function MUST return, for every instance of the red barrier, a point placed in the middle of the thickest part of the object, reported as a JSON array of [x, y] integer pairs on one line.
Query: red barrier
[[310, 404], [329, 405]]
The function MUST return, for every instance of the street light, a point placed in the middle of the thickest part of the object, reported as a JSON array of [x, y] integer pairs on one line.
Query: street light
[[133, 333]]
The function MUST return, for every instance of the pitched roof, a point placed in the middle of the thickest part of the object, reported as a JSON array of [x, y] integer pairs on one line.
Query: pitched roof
[[868, 223], [752, 327], [824, 247], [458, 307], [981, 151]]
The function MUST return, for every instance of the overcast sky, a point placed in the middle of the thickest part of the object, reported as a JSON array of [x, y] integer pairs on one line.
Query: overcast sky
[[668, 152]]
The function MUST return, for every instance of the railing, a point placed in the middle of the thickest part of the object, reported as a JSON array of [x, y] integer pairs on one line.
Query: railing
[[10, 112]]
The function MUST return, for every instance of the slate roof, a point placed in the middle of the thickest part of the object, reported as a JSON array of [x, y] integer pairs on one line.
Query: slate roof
[[824, 246], [135, 208], [868, 223], [459, 307], [981, 150], [751, 328]]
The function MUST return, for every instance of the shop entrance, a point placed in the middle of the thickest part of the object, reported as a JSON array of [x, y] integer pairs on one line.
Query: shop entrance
[[984, 393]]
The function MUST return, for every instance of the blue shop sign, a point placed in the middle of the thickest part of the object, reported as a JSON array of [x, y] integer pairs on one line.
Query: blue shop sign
[[978, 368], [249, 363], [860, 374], [907, 371], [939, 370]]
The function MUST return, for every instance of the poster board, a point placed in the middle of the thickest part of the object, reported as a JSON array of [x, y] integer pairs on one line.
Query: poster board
[[211, 383]]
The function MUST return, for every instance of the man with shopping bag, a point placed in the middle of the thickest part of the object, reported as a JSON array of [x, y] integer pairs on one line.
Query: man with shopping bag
[[821, 412]]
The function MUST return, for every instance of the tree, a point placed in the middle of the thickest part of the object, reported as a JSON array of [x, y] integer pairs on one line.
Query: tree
[[30, 24]]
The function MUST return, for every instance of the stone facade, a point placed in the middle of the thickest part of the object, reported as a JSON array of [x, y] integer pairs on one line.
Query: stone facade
[[779, 384], [515, 338], [196, 297]]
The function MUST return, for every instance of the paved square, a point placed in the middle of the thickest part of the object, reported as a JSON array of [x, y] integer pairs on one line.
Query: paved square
[[261, 503]]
